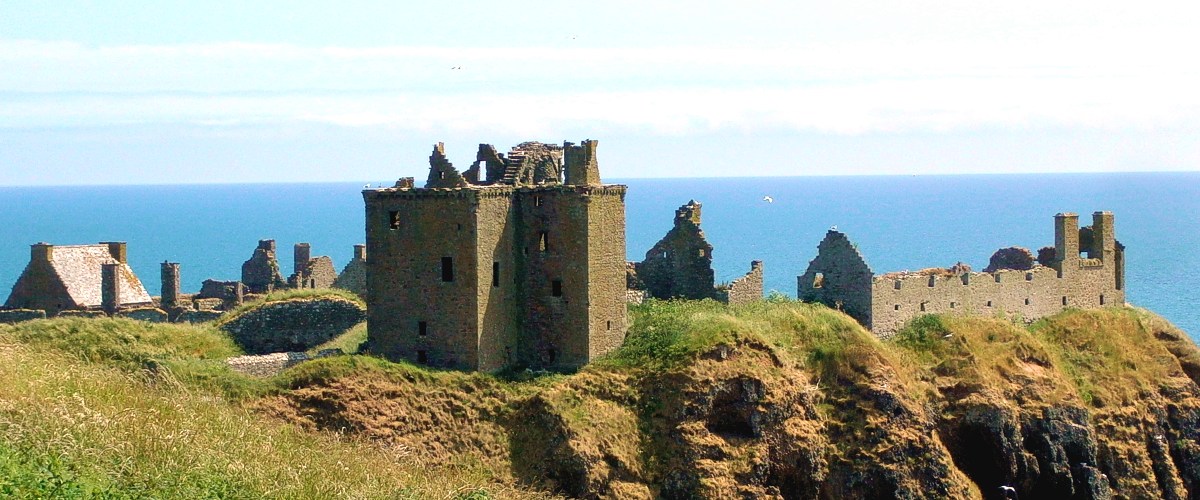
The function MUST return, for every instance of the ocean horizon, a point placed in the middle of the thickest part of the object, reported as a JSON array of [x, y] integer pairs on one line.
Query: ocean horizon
[[898, 223]]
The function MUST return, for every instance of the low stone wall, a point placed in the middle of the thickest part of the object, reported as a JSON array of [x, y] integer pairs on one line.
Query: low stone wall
[[294, 325], [151, 314], [19, 315], [635, 296], [71, 313], [199, 316], [267, 365]]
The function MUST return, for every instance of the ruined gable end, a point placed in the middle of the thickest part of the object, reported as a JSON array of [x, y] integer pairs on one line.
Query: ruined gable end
[[838, 277], [680, 264], [442, 173]]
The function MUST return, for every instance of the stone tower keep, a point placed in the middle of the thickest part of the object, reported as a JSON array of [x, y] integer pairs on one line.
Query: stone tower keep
[[520, 268]]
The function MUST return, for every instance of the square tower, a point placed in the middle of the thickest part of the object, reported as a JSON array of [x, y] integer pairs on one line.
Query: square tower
[[496, 274]]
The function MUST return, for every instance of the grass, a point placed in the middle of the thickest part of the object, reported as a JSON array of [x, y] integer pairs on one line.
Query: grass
[[670, 334], [349, 342], [117, 408]]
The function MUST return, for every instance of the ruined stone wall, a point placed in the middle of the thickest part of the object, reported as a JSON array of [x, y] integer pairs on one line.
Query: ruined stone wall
[[148, 314], [838, 277], [1026, 295], [680, 264], [410, 231], [261, 273], [19, 315], [293, 325], [318, 272], [354, 275], [748, 288], [268, 365]]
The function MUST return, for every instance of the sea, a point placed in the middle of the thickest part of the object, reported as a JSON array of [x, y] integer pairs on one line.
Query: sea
[[898, 223]]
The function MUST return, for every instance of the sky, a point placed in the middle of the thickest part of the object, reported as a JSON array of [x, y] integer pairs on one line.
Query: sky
[[123, 92]]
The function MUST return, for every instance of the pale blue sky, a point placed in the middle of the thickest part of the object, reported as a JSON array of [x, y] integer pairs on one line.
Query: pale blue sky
[[270, 91]]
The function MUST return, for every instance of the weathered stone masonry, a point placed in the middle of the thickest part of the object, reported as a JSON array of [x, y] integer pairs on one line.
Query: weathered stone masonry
[[523, 267], [839, 277], [680, 266]]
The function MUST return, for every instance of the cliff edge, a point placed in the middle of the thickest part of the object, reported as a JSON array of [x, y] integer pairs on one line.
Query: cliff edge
[[791, 400]]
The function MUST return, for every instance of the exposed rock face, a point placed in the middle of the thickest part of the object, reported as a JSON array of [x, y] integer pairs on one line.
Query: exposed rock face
[[1017, 258], [989, 405], [293, 325]]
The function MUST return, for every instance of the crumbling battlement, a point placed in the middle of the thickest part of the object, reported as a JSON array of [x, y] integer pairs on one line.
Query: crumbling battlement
[[839, 277], [521, 267]]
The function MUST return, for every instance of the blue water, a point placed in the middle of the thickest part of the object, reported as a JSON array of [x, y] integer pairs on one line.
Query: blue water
[[898, 222]]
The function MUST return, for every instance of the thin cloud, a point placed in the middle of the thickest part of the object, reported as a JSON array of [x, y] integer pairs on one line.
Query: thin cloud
[[843, 89]]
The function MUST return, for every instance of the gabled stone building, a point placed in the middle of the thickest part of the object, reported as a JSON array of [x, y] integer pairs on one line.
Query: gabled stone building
[[78, 277], [840, 277], [518, 261]]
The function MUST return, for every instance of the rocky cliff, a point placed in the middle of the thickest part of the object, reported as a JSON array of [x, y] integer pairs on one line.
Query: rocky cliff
[[790, 400]]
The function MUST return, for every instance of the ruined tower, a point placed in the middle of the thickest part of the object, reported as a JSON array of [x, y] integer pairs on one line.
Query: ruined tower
[[170, 284], [522, 268]]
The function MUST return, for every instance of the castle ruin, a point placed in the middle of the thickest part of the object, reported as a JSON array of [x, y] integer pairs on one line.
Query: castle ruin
[[839, 277], [518, 261], [680, 266]]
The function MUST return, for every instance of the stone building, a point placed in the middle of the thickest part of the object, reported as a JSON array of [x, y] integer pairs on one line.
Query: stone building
[[78, 277], [519, 260], [261, 273], [309, 271], [354, 275], [680, 266], [839, 277]]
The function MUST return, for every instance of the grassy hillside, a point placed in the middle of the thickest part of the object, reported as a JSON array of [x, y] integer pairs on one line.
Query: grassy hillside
[[773, 398], [94, 408]]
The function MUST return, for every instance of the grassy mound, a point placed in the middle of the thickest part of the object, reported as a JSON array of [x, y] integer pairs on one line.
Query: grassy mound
[[287, 296]]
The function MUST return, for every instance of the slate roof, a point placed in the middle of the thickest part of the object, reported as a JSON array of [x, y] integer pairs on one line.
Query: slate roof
[[79, 269]]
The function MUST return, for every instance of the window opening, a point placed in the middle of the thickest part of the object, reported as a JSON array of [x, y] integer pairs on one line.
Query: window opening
[[819, 280], [422, 357], [495, 274], [932, 281], [897, 307], [896, 285], [556, 288], [394, 219], [1101, 299], [542, 242], [1028, 276], [1064, 300], [447, 268], [1026, 301], [422, 328]]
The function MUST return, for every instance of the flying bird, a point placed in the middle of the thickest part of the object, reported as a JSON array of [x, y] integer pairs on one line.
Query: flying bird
[[768, 199]]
